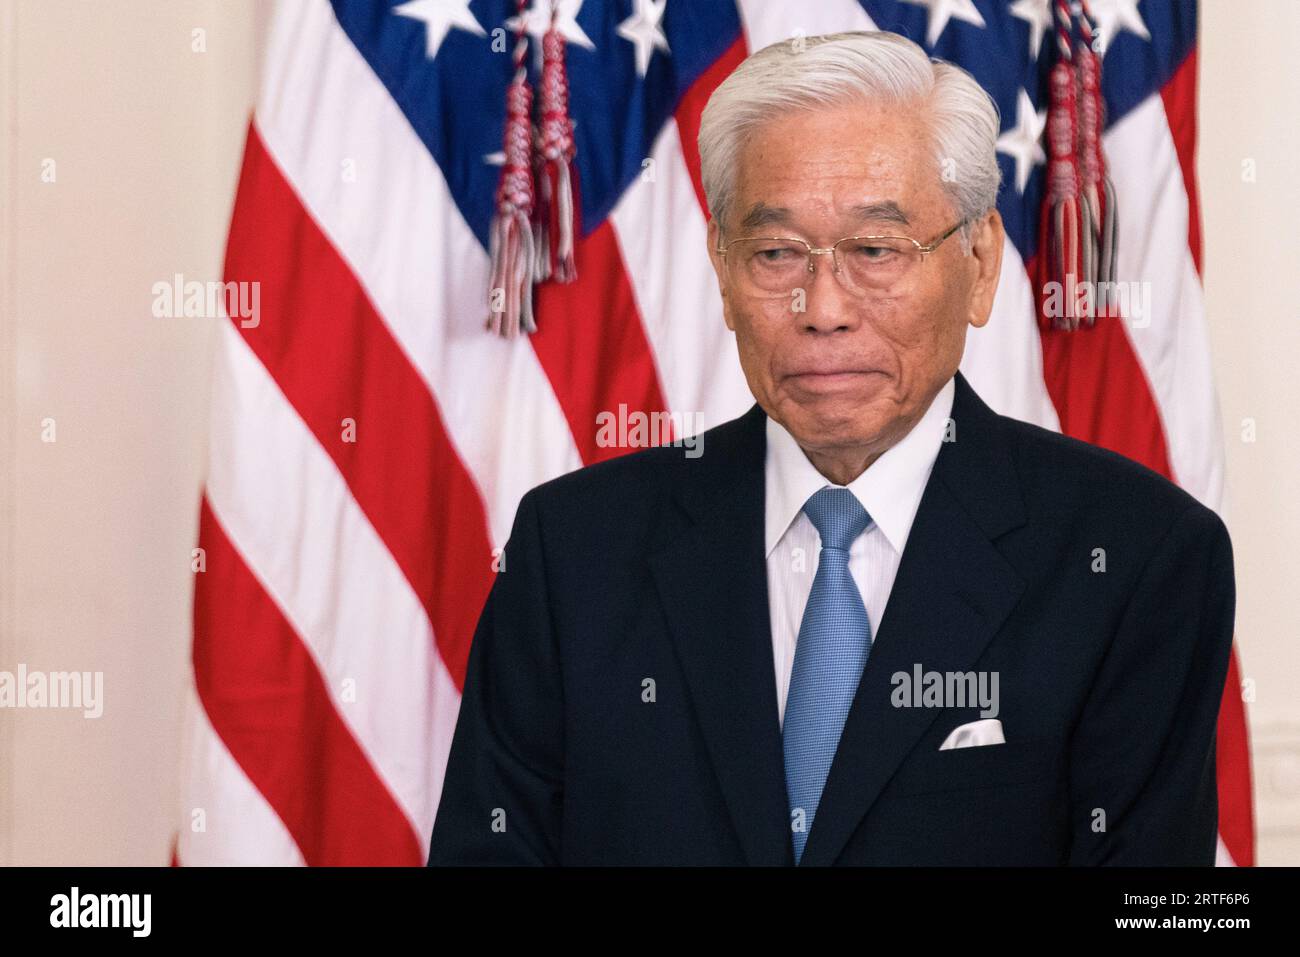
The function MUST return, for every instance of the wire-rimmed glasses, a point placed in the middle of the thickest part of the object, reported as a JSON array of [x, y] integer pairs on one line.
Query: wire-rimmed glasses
[[867, 266]]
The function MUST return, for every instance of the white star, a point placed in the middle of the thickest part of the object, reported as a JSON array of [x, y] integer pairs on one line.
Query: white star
[[941, 11], [1021, 142], [643, 30], [1038, 14], [438, 17], [1111, 16], [537, 20]]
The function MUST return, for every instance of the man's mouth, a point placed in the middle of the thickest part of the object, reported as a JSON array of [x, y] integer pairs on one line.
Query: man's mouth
[[829, 378]]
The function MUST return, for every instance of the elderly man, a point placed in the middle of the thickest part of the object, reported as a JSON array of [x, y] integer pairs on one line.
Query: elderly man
[[875, 622]]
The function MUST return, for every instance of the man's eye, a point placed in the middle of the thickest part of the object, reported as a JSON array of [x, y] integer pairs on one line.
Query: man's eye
[[775, 255], [873, 252]]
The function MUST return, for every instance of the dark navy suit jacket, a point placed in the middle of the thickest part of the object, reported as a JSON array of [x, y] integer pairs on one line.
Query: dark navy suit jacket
[[620, 702]]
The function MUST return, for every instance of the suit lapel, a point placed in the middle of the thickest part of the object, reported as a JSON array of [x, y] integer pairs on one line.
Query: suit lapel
[[711, 575], [952, 592]]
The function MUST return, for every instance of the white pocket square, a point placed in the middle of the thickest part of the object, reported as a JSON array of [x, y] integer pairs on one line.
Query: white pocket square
[[975, 734]]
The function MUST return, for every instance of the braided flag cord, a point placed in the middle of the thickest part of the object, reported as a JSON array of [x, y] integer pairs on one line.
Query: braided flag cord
[[532, 231], [557, 151], [512, 248], [1100, 221], [1079, 216]]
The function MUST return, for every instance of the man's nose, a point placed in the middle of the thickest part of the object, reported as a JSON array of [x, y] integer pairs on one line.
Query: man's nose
[[828, 306]]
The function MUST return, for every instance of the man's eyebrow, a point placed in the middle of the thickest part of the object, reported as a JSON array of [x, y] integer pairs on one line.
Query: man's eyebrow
[[761, 214], [887, 210]]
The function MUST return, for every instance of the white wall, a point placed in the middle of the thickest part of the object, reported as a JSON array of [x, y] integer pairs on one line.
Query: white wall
[[146, 134], [1250, 111], [96, 528]]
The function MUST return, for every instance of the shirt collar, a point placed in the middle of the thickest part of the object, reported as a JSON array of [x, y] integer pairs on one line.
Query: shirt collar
[[890, 489]]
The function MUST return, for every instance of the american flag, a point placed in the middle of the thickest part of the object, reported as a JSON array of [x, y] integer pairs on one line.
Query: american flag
[[370, 440]]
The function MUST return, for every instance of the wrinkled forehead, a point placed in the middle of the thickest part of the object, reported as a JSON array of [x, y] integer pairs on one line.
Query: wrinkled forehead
[[837, 169]]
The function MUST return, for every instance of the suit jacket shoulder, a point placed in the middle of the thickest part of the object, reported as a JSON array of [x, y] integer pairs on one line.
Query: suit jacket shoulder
[[1071, 483], [628, 503]]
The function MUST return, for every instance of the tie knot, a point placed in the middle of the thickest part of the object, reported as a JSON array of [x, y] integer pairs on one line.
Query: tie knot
[[837, 515]]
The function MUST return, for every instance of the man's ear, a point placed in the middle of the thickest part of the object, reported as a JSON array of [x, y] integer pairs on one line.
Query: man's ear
[[713, 235], [987, 240]]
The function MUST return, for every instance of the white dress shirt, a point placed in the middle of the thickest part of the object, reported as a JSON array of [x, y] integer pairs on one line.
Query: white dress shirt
[[890, 490]]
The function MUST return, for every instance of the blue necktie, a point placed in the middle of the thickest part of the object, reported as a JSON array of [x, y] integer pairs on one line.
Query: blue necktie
[[834, 641]]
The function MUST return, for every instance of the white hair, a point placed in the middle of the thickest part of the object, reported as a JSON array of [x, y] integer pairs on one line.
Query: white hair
[[806, 73]]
